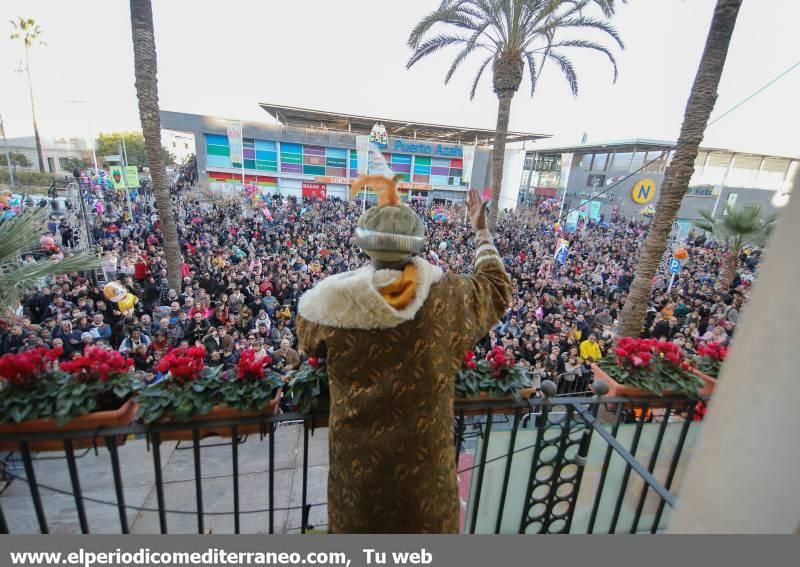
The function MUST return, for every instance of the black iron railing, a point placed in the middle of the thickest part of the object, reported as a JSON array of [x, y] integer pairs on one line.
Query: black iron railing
[[574, 464]]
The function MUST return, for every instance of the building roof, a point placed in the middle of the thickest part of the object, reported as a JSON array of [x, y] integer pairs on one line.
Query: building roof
[[309, 118], [644, 144]]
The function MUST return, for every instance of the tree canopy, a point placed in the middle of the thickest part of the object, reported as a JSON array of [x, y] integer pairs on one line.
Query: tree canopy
[[111, 144]]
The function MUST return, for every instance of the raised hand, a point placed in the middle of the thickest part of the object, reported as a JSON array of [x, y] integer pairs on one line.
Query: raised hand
[[477, 210]]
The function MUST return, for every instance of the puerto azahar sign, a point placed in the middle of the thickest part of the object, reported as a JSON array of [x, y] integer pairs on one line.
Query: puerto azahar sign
[[406, 147]]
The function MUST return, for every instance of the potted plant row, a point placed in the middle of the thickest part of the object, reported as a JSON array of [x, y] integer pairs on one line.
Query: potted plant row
[[645, 367], [308, 389], [189, 391], [709, 359], [91, 391], [496, 377]]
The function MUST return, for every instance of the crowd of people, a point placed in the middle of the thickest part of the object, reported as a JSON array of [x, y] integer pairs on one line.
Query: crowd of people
[[244, 270]]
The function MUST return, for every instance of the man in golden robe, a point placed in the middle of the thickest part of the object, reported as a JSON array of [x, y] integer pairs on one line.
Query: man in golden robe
[[393, 335]]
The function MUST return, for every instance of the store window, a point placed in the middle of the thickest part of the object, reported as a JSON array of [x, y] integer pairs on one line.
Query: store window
[[621, 161], [637, 161], [772, 173], [715, 169], [744, 171], [586, 162], [600, 161], [658, 159]]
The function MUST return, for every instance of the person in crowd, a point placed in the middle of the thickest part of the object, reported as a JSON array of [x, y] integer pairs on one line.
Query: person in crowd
[[245, 274]]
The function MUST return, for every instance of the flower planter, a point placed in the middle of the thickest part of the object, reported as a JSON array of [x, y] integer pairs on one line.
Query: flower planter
[[465, 403], [223, 413], [124, 415], [615, 389]]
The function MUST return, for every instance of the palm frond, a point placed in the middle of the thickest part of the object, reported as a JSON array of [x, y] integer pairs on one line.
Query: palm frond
[[431, 46], [532, 70], [515, 28], [472, 44], [738, 227], [478, 76], [591, 45], [567, 69], [445, 14], [19, 236], [586, 22]]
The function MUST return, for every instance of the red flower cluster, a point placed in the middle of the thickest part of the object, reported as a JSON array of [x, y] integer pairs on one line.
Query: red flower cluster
[[25, 368], [469, 360], [313, 362], [713, 351], [184, 364], [498, 361], [248, 368], [639, 353], [97, 363]]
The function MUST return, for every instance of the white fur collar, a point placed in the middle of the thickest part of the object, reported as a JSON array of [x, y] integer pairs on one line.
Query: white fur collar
[[351, 300]]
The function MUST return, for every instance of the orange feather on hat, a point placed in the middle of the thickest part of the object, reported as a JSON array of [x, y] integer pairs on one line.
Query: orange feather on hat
[[385, 188]]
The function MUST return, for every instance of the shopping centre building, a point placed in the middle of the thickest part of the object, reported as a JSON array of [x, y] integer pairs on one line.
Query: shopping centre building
[[305, 152], [625, 177], [312, 152]]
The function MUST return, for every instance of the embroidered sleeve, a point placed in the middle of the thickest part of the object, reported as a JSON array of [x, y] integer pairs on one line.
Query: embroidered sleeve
[[311, 338], [487, 292]]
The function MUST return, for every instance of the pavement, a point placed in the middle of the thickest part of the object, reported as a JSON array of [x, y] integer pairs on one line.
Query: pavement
[[180, 491]]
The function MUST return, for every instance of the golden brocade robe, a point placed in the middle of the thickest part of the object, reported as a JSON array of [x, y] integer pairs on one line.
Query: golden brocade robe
[[391, 376]]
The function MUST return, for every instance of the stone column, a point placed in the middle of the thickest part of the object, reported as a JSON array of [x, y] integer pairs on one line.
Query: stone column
[[744, 476]]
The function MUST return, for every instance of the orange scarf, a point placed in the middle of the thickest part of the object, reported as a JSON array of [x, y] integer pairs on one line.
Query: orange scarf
[[401, 291]]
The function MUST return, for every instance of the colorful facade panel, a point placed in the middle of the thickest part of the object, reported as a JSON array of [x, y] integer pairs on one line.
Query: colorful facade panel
[[303, 159]]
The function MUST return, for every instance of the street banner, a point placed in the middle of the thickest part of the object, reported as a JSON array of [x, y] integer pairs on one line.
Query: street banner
[[235, 141], [315, 191], [594, 210], [468, 159], [117, 172], [132, 176], [583, 210], [572, 221], [362, 154], [562, 251]]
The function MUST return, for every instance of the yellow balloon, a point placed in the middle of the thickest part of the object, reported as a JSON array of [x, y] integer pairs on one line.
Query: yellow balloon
[[126, 303], [114, 291]]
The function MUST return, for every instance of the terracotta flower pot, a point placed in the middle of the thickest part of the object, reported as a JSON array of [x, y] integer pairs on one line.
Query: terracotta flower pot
[[615, 389], [220, 413], [465, 403], [124, 415]]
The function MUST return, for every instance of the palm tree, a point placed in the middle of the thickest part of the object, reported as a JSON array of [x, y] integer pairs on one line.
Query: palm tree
[[514, 34], [739, 227], [676, 178], [145, 68], [19, 238], [30, 34]]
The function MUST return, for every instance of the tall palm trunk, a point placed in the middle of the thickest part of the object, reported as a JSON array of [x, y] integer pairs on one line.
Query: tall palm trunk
[[145, 65], [498, 156], [729, 266], [507, 78], [676, 179], [33, 113]]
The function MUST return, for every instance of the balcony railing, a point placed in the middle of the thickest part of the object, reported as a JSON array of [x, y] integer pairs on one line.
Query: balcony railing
[[566, 464]]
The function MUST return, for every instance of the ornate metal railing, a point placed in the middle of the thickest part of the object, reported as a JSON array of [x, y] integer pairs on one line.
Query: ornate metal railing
[[573, 464]]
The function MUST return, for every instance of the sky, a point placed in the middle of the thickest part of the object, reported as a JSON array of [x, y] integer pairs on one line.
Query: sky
[[222, 58]]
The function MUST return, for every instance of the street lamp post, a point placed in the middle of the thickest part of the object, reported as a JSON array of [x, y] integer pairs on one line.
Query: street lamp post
[[8, 155], [76, 173]]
